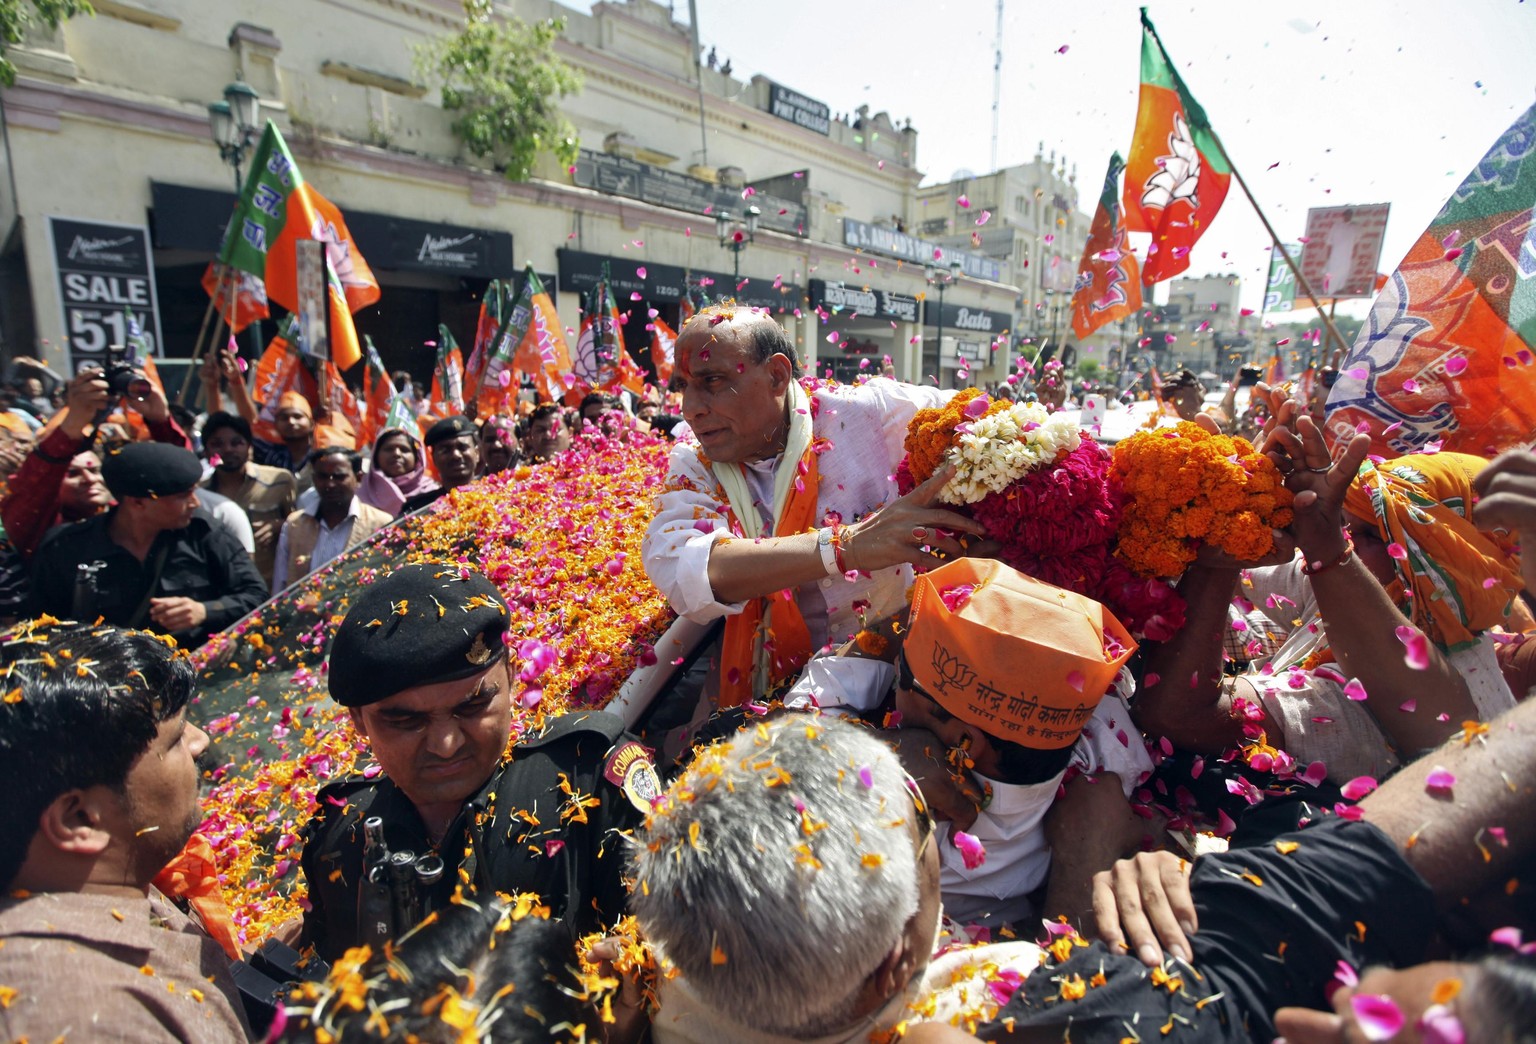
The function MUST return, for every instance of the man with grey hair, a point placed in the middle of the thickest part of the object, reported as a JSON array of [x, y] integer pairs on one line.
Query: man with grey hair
[[790, 878]]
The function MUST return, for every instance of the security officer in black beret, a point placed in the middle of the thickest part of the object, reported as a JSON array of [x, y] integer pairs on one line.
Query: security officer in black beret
[[155, 560], [454, 443], [421, 665]]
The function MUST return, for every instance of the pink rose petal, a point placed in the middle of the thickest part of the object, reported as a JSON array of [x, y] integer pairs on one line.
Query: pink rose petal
[[1344, 974], [1076, 680], [1510, 937], [1415, 647], [1377, 1015], [1439, 779], [1439, 1025], [1354, 690], [1358, 787], [1455, 365], [971, 849], [1397, 551]]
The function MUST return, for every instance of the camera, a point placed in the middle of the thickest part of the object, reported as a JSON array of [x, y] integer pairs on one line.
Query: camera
[[122, 378]]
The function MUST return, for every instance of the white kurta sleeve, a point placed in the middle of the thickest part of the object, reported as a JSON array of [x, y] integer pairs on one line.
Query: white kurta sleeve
[[688, 521]]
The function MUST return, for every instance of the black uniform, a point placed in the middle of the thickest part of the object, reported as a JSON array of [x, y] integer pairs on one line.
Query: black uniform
[[199, 561], [520, 833]]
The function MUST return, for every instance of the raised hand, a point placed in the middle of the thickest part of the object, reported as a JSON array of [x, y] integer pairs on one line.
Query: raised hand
[[909, 529], [1318, 482]]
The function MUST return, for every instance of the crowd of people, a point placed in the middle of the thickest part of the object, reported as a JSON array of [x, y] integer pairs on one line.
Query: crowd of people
[[915, 792]]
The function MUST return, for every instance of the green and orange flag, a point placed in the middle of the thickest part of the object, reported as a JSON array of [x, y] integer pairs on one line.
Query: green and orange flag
[[277, 208], [447, 396], [1108, 286], [1177, 174], [1447, 357], [541, 351]]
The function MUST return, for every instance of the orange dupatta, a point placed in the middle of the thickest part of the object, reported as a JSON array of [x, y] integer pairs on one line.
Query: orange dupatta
[[194, 876], [775, 630]]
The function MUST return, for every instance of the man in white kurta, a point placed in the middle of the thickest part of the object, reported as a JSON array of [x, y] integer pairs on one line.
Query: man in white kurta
[[752, 428]]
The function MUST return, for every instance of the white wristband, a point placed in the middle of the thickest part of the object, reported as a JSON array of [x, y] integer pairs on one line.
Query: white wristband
[[828, 552]]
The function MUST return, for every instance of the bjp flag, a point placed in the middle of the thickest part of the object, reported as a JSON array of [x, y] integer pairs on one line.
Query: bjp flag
[[1447, 356], [663, 348], [543, 352], [248, 291], [1108, 287], [277, 208], [1177, 174], [378, 396]]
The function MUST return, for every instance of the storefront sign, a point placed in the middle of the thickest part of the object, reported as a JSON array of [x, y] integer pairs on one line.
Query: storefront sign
[[193, 219], [798, 109], [964, 317], [579, 273], [617, 176], [880, 304], [880, 239], [103, 269]]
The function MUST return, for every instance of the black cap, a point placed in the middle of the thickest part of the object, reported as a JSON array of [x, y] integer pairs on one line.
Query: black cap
[[150, 469], [449, 428], [420, 625]]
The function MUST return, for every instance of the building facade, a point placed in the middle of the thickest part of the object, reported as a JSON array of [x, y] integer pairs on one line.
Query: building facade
[[1028, 218], [115, 194], [1209, 334]]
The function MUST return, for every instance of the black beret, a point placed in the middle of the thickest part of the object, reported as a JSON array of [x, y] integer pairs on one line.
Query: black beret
[[150, 469], [420, 625], [449, 428]]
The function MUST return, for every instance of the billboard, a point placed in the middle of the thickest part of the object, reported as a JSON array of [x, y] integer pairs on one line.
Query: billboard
[[1343, 249], [103, 269], [1280, 294]]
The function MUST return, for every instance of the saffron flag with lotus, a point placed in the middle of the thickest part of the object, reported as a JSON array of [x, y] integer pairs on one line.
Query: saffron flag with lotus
[[1445, 358], [277, 208], [1108, 286], [1177, 174], [541, 351]]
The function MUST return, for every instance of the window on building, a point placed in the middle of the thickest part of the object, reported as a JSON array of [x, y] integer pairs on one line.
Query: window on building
[[1021, 204]]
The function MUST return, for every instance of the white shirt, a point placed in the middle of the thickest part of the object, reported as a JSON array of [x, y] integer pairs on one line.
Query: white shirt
[[1011, 827], [328, 545], [230, 516], [1320, 722], [866, 426]]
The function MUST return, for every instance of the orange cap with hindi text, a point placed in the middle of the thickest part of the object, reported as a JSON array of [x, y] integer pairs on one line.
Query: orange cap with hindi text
[[1018, 658]]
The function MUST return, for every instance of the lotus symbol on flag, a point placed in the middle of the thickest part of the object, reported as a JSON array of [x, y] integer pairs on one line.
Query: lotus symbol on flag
[[951, 671], [1179, 176], [339, 251]]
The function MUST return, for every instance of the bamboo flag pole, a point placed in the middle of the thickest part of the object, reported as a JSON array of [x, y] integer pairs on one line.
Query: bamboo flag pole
[[199, 346], [1301, 280]]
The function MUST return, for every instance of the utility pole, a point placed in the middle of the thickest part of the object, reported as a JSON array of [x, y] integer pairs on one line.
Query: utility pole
[[997, 79]]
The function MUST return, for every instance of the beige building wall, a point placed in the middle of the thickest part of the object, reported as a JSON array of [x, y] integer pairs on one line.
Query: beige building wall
[[109, 104]]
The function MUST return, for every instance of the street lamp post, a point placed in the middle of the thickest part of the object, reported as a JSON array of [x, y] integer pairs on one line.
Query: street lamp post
[[941, 278], [736, 236], [232, 123]]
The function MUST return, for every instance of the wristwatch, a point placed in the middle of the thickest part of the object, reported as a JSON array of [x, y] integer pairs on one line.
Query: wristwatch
[[828, 551]]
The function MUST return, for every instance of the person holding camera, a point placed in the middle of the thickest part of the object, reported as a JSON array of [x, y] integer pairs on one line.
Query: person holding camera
[[60, 481], [154, 560]]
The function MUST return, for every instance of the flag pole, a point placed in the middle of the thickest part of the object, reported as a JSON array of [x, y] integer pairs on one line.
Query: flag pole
[[198, 346], [1301, 280]]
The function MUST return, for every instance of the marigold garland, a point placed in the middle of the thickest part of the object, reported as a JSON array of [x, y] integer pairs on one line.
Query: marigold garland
[[561, 541], [1183, 487], [1057, 519]]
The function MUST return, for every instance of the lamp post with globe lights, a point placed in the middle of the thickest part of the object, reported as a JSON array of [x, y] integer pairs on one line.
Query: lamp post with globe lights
[[736, 236]]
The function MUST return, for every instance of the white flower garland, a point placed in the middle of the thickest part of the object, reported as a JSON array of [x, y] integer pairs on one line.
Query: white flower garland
[[995, 451]]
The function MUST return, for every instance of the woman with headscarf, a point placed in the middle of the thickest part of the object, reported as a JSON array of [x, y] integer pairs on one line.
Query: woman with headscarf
[[1380, 619], [398, 472]]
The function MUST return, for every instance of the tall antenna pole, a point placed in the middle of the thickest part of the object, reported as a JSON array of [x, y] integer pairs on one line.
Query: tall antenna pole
[[698, 78], [997, 79]]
